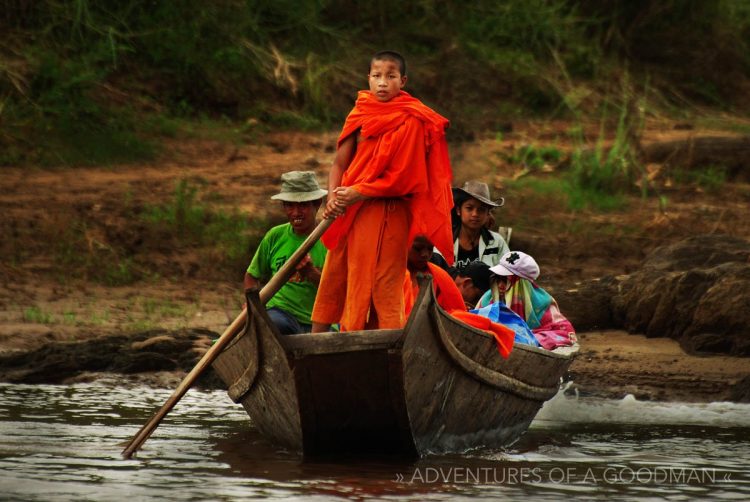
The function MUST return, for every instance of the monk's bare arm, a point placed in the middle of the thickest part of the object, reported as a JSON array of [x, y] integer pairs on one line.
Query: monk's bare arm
[[344, 156]]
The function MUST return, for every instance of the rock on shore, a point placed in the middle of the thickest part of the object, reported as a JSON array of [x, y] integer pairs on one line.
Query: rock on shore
[[696, 291], [149, 351]]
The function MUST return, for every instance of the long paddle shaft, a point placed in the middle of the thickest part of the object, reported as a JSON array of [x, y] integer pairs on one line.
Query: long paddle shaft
[[270, 289]]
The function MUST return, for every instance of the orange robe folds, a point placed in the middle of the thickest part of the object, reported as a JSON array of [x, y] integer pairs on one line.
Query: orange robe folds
[[401, 163], [362, 273], [449, 298], [446, 292], [402, 152]]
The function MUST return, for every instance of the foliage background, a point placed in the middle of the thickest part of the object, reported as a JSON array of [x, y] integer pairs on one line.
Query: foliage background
[[90, 82]]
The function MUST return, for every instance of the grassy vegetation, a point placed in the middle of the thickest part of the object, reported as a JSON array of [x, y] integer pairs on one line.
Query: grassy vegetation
[[189, 221], [710, 178], [78, 252], [85, 82], [101, 83], [150, 313], [37, 315]]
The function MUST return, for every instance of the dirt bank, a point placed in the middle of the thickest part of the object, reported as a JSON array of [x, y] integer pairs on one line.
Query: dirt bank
[[180, 288]]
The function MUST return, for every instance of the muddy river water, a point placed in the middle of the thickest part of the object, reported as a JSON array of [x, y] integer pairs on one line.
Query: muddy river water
[[63, 442]]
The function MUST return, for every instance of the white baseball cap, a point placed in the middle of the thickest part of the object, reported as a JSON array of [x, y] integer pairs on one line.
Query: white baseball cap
[[517, 263]]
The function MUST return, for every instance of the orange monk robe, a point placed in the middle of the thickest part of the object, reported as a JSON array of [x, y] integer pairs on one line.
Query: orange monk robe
[[450, 299], [401, 163], [446, 292], [391, 161]]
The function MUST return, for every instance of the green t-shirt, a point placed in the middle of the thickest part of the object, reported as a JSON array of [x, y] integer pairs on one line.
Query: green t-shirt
[[295, 297]]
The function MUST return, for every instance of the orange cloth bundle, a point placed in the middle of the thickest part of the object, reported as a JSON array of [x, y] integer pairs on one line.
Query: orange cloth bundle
[[449, 298], [503, 336], [446, 292]]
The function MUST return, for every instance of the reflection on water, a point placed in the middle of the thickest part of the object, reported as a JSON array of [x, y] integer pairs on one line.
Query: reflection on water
[[64, 443]]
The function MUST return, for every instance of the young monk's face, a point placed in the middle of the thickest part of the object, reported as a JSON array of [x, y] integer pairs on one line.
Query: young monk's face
[[385, 79], [301, 215], [419, 254], [474, 214]]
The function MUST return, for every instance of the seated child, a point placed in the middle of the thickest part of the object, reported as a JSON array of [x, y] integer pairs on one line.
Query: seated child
[[515, 286], [472, 281], [446, 292]]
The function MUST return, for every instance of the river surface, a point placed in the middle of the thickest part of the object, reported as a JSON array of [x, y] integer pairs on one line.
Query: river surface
[[63, 443]]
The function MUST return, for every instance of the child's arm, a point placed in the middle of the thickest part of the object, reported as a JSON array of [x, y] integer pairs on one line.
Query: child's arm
[[344, 156]]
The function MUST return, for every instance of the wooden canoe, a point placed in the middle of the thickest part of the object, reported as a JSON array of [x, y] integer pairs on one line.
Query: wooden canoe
[[437, 385]]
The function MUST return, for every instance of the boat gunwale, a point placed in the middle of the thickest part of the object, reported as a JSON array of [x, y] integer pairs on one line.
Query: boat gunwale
[[329, 343], [516, 346]]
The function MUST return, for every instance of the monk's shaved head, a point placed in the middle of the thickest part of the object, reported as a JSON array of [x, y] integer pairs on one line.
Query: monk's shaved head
[[391, 56]]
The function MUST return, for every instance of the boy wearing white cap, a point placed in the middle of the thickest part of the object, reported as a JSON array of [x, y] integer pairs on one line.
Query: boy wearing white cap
[[514, 284]]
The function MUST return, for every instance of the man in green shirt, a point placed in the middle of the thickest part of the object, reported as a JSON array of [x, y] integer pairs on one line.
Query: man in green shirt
[[290, 307]]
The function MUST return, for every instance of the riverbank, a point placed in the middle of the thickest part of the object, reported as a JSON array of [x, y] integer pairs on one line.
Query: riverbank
[[611, 364], [85, 254]]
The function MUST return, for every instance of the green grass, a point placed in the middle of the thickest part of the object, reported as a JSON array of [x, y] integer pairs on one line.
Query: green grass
[[535, 157], [191, 221], [709, 178], [36, 315], [147, 313], [80, 255], [222, 241], [566, 193], [98, 318], [70, 318], [103, 83]]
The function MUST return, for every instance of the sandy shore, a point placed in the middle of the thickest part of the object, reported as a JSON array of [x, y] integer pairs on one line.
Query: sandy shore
[[615, 363]]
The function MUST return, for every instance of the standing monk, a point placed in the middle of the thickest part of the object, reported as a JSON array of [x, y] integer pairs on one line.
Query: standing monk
[[390, 180]]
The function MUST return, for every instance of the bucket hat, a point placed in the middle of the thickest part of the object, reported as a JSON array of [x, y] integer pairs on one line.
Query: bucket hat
[[517, 263], [477, 189], [299, 186]]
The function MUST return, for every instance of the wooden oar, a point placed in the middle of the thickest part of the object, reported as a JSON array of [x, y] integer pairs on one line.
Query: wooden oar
[[270, 289]]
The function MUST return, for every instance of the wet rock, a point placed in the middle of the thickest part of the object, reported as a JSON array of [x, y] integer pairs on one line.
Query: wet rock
[[156, 350], [740, 392], [160, 343], [696, 291]]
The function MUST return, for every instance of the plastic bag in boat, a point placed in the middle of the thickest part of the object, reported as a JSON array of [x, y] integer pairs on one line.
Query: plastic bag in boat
[[499, 313]]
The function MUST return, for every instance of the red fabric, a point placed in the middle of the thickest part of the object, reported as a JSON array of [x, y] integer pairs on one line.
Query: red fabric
[[503, 336], [401, 152], [446, 292]]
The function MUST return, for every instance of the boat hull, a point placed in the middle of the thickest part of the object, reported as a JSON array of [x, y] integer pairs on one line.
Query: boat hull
[[438, 385]]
